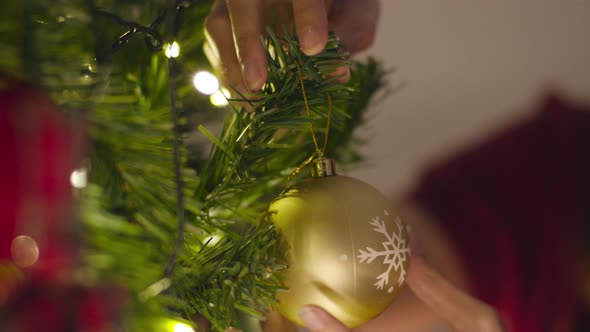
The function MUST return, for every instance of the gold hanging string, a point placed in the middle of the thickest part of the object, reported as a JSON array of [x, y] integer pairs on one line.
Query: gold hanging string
[[303, 165], [318, 152], [307, 108], [328, 123]]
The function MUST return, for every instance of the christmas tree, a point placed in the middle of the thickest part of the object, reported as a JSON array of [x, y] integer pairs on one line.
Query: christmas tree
[[172, 211]]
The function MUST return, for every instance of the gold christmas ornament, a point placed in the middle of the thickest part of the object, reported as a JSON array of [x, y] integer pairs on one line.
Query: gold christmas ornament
[[348, 251]]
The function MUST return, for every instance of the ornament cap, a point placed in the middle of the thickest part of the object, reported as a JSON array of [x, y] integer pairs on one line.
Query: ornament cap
[[322, 167]]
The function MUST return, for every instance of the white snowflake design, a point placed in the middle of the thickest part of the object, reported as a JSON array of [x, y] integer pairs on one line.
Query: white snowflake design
[[396, 252]]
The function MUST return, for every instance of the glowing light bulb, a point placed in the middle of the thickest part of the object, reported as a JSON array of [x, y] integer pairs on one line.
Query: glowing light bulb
[[172, 50], [79, 178], [205, 82], [213, 239], [219, 98], [24, 251], [181, 327]]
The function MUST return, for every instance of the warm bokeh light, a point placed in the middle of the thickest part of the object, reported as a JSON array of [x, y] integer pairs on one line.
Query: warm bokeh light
[[172, 50], [205, 82], [79, 178], [213, 239], [219, 98], [181, 327], [24, 251]]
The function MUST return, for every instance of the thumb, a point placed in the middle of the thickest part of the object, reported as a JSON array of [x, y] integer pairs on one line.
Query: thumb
[[317, 319], [459, 309]]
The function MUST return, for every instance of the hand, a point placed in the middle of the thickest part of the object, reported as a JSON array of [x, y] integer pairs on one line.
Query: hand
[[462, 312], [233, 29]]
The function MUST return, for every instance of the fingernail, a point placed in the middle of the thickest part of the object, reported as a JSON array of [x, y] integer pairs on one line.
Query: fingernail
[[311, 41], [253, 75], [312, 318], [343, 74]]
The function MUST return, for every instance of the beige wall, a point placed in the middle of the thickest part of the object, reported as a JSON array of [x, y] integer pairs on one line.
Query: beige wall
[[470, 66]]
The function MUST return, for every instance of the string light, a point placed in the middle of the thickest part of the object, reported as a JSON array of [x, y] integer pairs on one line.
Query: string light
[[213, 239], [79, 178], [24, 251], [205, 82], [172, 50], [181, 327], [219, 98]]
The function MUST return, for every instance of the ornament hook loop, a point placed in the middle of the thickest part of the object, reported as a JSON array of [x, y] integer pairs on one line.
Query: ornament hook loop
[[323, 167]]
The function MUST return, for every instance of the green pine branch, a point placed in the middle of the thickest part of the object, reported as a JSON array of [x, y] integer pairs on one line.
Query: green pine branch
[[230, 259]]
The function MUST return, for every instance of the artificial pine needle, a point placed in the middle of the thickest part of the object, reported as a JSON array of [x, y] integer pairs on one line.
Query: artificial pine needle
[[229, 259]]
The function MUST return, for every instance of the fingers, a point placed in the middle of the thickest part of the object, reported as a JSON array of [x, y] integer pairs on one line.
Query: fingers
[[233, 46], [219, 47], [318, 320], [343, 74], [275, 322], [233, 30], [460, 310], [355, 23], [246, 21], [311, 23]]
